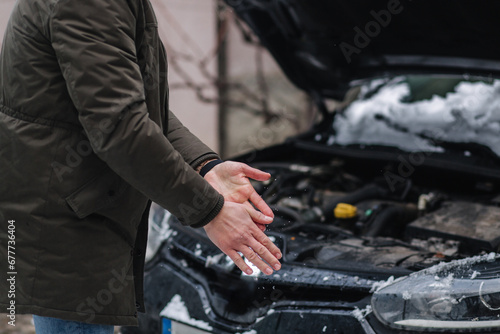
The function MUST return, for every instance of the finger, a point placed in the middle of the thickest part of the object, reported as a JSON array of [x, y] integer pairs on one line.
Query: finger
[[239, 262], [254, 173], [259, 217], [263, 252], [252, 256], [249, 206], [270, 247], [261, 227], [261, 205]]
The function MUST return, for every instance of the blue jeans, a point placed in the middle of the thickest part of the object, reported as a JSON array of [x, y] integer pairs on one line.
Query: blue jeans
[[46, 325]]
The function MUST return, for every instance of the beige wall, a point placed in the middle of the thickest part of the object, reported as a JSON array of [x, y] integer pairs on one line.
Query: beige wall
[[188, 27], [246, 130], [5, 9]]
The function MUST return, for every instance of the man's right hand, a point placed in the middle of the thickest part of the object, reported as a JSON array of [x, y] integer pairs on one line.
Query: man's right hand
[[234, 230]]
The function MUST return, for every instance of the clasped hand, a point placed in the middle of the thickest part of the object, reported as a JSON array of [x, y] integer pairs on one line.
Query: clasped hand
[[239, 227]]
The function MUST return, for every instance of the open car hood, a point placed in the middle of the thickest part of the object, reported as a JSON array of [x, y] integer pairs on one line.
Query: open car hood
[[324, 45]]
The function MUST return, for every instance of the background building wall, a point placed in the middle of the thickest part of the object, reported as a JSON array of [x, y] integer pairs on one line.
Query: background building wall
[[277, 108], [188, 30], [5, 9]]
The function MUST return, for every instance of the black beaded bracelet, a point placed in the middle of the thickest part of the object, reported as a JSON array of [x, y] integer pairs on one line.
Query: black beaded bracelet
[[205, 169]]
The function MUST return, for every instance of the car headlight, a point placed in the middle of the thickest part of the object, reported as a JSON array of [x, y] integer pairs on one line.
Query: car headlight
[[457, 297]]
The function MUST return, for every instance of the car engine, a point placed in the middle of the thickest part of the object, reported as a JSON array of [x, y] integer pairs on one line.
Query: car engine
[[339, 220]]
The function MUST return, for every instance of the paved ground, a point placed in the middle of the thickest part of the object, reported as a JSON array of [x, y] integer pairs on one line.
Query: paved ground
[[24, 325]]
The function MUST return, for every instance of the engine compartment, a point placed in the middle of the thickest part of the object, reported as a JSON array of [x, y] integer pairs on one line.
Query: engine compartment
[[366, 222]]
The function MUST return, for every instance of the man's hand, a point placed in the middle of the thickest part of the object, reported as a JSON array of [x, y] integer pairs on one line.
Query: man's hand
[[233, 230], [231, 180]]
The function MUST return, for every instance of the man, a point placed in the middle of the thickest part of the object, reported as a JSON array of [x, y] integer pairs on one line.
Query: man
[[86, 141]]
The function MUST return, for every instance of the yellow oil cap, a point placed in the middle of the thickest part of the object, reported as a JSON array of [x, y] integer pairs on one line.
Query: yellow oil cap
[[345, 211]]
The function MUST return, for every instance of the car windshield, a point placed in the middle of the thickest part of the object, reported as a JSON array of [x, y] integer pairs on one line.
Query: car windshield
[[422, 113]]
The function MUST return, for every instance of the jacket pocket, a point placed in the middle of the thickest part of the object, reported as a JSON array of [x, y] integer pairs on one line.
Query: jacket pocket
[[100, 192]]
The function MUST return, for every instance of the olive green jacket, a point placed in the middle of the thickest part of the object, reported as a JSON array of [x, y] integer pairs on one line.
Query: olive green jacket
[[86, 141]]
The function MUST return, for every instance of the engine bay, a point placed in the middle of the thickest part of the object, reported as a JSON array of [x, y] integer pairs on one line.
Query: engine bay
[[336, 219]]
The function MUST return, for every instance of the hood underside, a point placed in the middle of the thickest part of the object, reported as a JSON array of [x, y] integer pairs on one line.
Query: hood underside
[[324, 45]]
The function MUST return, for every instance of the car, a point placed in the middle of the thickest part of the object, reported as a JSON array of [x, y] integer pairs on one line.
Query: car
[[387, 210]]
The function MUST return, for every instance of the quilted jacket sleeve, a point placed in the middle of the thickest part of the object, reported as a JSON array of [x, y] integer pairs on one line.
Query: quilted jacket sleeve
[[187, 144], [94, 42]]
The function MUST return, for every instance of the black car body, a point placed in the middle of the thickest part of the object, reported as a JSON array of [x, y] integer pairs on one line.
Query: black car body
[[388, 209]]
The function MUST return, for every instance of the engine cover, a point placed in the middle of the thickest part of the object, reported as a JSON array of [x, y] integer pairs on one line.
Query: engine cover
[[475, 226]]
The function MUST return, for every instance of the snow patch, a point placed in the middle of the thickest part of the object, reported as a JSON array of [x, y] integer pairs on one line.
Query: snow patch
[[198, 251], [444, 283], [255, 271], [213, 259], [376, 286], [441, 283], [469, 113], [445, 266], [158, 229], [177, 310], [360, 315]]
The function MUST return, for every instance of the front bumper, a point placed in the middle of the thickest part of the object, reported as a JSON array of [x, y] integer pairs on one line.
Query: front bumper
[[164, 282]]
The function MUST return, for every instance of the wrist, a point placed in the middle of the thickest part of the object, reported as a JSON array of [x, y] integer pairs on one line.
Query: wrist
[[201, 165], [208, 165], [213, 213]]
